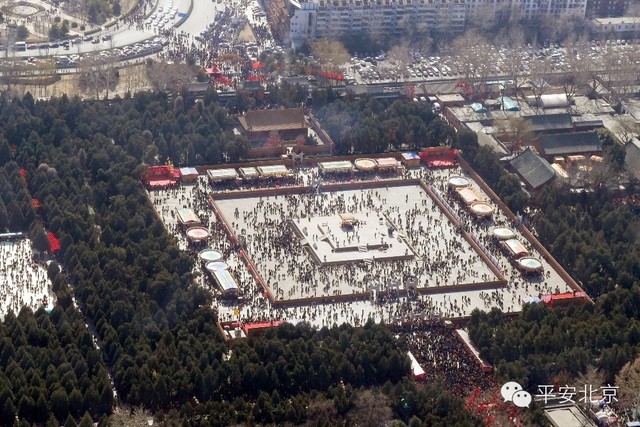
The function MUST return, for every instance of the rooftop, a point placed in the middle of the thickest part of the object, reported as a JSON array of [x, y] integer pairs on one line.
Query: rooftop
[[535, 170], [567, 416], [570, 143], [268, 120], [549, 122], [618, 20]]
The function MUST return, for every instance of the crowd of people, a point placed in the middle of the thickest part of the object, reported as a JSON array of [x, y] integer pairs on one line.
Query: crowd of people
[[444, 357], [262, 226], [22, 280]]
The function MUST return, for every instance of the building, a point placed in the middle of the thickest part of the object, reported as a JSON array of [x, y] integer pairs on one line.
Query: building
[[532, 169], [625, 27], [632, 158], [289, 123], [313, 19], [569, 144], [527, 9], [379, 18], [567, 415], [606, 8]]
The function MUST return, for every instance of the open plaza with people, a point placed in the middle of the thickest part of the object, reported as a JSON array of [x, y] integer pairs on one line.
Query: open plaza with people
[[334, 248], [23, 281]]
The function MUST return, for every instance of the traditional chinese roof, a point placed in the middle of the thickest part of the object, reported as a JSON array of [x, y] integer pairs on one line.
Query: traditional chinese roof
[[533, 169], [273, 120], [570, 143]]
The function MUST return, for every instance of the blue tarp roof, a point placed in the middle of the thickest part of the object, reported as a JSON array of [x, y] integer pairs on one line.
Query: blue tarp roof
[[508, 103], [478, 108]]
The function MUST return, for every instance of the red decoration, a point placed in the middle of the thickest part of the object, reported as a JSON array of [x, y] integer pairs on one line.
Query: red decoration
[[54, 243]]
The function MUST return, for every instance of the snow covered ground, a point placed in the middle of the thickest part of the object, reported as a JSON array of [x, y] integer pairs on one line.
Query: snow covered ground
[[22, 280]]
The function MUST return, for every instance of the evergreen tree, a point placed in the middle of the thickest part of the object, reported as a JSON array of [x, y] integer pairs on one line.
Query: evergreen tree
[[5, 152]]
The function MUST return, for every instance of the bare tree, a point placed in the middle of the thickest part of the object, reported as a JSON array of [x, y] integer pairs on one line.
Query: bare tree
[[97, 75], [540, 71], [330, 53], [125, 416], [470, 50], [372, 408], [400, 57], [626, 129], [514, 66], [165, 76], [628, 383]]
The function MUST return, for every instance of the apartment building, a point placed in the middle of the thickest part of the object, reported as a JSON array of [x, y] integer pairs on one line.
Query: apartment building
[[379, 18], [313, 19], [606, 8]]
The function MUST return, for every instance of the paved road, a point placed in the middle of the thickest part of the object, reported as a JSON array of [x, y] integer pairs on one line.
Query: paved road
[[124, 34]]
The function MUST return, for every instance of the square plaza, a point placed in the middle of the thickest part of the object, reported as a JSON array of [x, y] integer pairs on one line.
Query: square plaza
[[302, 248], [348, 238], [453, 281]]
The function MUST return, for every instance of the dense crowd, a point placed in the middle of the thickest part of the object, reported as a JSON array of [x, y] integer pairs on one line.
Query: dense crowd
[[444, 357], [22, 280], [289, 273]]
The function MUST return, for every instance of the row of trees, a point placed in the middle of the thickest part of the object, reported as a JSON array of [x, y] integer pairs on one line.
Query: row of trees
[[50, 369]]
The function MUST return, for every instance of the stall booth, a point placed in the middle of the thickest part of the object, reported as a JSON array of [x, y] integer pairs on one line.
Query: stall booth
[[273, 171], [197, 235], [529, 265], [481, 209], [209, 255], [222, 175], [503, 233], [249, 173], [365, 165], [514, 248], [225, 282], [188, 218], [411, 160], [341, 166], [468, 196], [189, 175], [348, 220], [387, 164], [459, 182]]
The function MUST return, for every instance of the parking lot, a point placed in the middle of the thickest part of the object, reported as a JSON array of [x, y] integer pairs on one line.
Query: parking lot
[[498, 61]]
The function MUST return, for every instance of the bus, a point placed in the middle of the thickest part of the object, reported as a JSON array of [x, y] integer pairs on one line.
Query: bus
[[21, 46]]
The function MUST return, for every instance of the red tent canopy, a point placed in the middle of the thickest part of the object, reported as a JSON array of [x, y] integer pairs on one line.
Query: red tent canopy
[[54, 243]]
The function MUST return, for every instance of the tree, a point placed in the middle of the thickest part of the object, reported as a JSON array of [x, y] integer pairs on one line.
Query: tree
[[86, 420], [168, 77], [4, 218], [60, 404], [39, 238], [626, 129], [330, 53], [470, 49], [628, 381], [22, 32], [467, 141], [5, 152], [7, 409], [126, 416], [371, 409]]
